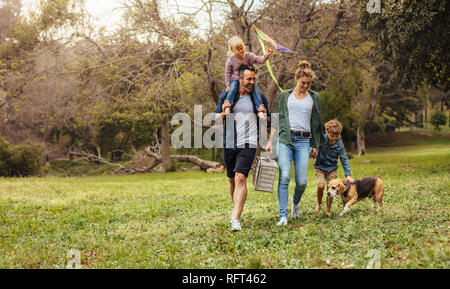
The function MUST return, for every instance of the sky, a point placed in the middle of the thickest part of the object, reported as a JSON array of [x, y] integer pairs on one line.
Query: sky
[[109, 12], [104, 12]]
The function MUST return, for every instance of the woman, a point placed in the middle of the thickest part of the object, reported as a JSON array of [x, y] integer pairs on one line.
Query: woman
[[300, 134]]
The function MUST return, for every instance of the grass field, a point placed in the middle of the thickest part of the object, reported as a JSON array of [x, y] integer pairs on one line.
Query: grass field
[[181, 220]]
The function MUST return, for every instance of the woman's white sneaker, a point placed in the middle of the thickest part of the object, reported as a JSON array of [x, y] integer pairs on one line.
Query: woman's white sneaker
[[282, 222]]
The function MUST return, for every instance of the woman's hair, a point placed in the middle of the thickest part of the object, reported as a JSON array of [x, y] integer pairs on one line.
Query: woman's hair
[[333, 127], [304, 70], [233, 43]]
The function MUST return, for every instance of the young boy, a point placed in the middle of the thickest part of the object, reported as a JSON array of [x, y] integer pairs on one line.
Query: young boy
[[325, 167]]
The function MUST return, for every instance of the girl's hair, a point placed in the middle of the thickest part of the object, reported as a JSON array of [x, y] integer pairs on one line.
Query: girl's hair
[[333, 127], [233, 43], [304, 70]]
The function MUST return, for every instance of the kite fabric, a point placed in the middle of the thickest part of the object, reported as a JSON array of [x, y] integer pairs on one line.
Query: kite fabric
[[262, 36], [269, 68]]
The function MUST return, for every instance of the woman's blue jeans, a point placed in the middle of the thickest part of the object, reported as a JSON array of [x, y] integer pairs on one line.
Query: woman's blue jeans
[[297, 151]]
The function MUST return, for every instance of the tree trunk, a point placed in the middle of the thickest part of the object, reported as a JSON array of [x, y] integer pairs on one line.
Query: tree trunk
[[425, 116], [71, 160], [203, 164], [360, 141], [241, 24], [165, 144], [98, 155], [272, 94], [214, 85]]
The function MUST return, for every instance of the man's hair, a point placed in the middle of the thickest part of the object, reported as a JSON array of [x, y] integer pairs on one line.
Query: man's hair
[[243, 68], [333, 127]]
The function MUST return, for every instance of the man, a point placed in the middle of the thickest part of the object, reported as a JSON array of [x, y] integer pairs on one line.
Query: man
[[240, 139]]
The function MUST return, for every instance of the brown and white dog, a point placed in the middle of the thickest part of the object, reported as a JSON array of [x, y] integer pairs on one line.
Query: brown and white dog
[[371, 187]]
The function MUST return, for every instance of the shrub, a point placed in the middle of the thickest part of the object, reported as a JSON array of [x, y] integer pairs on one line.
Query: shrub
[[438, 118], [5, 155], [26, 160], [20, 161], [173, 166]]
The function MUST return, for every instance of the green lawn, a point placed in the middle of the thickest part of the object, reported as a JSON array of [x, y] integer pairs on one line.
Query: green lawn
[[181, 220]]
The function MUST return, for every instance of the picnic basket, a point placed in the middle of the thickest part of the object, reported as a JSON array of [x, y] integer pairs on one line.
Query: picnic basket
[[264, 174]]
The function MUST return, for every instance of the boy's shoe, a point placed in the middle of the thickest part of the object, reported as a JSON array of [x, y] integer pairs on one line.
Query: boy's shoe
[[295, 211], [235, 225], [282, 222]]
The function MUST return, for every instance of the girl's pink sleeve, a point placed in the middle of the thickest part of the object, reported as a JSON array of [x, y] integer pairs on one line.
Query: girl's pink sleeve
[[256, 59], [228, 71]]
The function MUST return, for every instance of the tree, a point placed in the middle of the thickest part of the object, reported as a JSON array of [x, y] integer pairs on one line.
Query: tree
[[413, 35], [396, 102], [23, 63], [9, 14], [352, 95], [438, 118], [306, 27]]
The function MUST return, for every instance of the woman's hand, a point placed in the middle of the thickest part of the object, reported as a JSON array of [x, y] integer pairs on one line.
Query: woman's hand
[[228, 88], [313, 153]]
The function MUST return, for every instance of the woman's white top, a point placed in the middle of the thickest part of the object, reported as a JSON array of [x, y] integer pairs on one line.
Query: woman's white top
[[300, 113]]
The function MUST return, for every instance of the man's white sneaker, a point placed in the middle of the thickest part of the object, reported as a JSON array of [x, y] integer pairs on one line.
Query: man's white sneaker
[[232, 218], [295, 211], [282, 222], [235, 225]]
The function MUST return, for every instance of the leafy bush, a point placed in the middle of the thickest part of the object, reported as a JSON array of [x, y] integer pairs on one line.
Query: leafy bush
[[438, 118], [20, 161], [26, 160], [173, 166], [5, 155]]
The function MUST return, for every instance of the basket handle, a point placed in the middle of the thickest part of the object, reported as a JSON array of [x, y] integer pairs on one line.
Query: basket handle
[[268, 158]]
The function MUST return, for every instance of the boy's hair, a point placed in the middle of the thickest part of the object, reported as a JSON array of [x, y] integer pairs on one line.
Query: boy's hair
[[333, 127], [233, 43]]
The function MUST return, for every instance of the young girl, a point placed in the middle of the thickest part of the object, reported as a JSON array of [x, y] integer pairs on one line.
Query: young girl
[[238, 57]]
